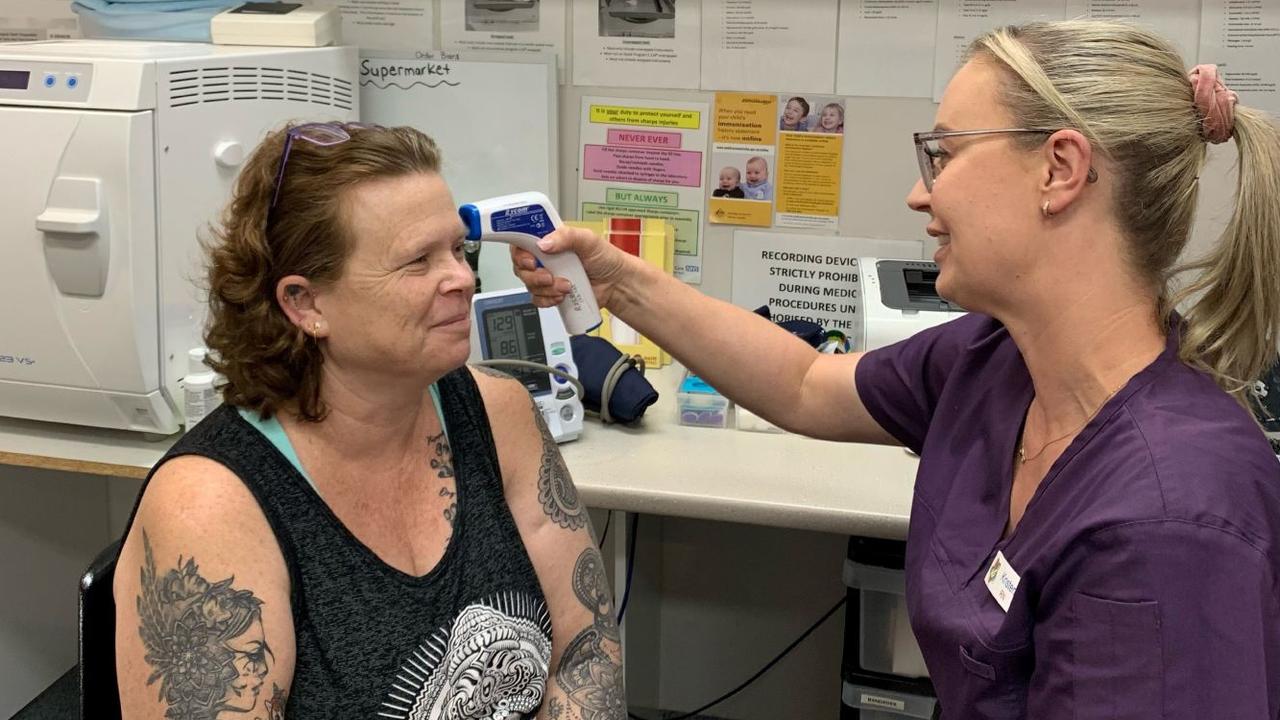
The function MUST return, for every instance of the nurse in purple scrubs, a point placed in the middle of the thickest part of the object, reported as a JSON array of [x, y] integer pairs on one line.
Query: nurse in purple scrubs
[[1096, 519]]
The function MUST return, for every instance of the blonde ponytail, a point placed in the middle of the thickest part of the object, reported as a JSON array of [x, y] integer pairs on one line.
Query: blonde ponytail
[[1231, 326]]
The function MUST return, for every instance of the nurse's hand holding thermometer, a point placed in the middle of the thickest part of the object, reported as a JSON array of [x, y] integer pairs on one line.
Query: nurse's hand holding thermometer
[[531, 226]]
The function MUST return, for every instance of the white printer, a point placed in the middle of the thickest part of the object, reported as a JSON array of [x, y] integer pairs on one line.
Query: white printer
[[899, 300], [117, 157]]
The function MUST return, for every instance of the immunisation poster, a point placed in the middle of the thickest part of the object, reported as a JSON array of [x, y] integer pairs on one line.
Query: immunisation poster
[[810, 153], [525, 28], [646, 158], [744, 139]]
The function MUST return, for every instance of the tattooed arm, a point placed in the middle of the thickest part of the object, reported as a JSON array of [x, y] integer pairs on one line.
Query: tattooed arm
[[204, 629], [585, 681]]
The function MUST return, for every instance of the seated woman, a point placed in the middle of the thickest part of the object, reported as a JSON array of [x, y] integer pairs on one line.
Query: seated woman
[[366, 528]]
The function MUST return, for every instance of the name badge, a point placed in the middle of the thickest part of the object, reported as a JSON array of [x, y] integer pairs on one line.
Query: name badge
[[1002, 581]]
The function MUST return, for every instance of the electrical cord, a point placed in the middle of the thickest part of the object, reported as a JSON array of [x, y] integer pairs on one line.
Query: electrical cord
[[611, 378], [577, 385], [608, 518], [631, 565], [762, 670]]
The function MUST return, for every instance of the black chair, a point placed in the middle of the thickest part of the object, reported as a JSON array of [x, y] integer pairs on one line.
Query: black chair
[[96, 697], [99, 693]]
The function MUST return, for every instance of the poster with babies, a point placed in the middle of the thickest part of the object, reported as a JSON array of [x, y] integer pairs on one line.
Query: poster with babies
[[742, 166], [776, 160], [810, 153]]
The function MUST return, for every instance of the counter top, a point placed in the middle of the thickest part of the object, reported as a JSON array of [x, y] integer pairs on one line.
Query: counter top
[[659, 467]]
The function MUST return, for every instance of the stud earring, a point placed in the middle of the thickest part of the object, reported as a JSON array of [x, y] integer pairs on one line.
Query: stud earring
[[1044, 209]]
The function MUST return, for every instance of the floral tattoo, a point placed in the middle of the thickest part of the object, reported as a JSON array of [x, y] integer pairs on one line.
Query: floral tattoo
[[205, 644], [591, 669]]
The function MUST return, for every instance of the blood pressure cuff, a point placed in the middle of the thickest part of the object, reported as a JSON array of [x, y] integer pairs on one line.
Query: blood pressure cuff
[[810, 332], [629, 393]]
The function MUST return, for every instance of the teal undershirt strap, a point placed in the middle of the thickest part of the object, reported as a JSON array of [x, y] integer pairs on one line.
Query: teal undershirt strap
[[274, 432]]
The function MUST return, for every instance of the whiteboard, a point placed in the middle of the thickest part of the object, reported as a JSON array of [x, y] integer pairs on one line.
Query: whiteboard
[[494, 120]]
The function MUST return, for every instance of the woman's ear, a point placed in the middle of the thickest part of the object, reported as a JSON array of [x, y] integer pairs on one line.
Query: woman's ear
[[296, 297], [1069, 168]]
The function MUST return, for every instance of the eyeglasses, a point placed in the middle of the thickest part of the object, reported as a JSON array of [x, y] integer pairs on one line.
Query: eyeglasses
[[929, 152], [322, 134]]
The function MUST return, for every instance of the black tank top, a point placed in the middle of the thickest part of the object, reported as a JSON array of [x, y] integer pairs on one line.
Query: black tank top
[[470, 639]]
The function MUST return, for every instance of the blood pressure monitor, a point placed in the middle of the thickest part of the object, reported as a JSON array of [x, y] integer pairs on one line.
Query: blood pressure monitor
[[508, 326]]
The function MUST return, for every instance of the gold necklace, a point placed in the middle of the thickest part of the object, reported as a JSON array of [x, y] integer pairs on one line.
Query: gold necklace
[[1022, 441]]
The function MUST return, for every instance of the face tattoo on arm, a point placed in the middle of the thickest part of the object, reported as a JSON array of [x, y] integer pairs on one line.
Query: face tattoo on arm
[[556, 491], [591, 670], [205, 644]]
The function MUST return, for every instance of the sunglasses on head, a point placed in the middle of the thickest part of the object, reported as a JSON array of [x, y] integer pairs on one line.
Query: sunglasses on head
[[322, 134]]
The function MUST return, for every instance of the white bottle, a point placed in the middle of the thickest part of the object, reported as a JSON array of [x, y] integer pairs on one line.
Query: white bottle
[[201, 397]]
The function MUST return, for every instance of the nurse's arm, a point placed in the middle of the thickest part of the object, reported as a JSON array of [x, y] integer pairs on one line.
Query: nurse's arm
[[759, 365], [1162, 619], [747, 358], [585, 675]]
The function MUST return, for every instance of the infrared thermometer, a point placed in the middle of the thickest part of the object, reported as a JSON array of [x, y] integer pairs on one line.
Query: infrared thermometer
[[521, 220]]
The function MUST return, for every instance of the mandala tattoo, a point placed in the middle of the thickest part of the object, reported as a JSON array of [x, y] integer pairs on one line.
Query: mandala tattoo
[[204, 642], [555, 709], [591, 669], [443, 466], [556, 492]]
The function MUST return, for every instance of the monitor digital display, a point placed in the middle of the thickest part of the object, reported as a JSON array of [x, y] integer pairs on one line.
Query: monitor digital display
[[14, 79], [515, 333]]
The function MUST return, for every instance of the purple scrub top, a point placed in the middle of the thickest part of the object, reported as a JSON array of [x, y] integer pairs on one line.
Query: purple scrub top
[[1148, 555]]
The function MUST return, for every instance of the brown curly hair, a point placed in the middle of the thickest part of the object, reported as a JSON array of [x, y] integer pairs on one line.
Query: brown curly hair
[[267, 360]]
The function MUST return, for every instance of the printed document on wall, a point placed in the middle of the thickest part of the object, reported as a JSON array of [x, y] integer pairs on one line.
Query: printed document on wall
[[637, 43], [744, 149], [960, 22], [32, 20], [1243, 38], [645, 158], [809, 277], [763, 45], [388, 24], [1177, 20], [526, 28], [810, 156], [886, 48]]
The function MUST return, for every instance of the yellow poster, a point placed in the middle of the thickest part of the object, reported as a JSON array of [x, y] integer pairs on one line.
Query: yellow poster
[[745, 119], [744, 134], [809, 176], [810, 153]]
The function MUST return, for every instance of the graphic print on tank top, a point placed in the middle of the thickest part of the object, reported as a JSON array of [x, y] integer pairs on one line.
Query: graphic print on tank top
[[492, 664]]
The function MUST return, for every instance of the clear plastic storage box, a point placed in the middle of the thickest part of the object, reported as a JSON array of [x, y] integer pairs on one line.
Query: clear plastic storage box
[[698, 404]]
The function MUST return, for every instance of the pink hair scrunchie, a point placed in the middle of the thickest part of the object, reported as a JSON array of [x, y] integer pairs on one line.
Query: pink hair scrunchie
[[1214, 102]]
